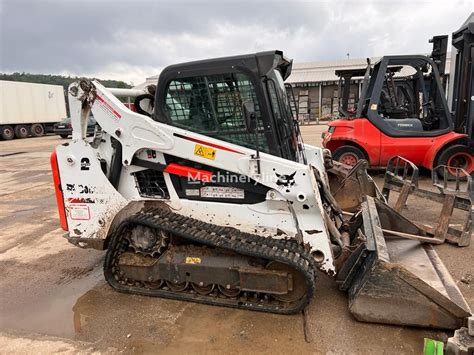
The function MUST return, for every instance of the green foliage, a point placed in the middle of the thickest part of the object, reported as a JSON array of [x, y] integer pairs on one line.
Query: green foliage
[[58, 80]]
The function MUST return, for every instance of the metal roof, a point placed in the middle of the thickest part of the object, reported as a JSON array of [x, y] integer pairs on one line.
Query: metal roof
[[314, 72], [324, 71]]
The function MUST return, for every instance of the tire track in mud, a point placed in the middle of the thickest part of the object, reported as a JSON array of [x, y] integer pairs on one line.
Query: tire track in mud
[[72, 273]]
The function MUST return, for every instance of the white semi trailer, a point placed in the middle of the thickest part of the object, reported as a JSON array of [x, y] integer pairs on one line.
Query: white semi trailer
[[29, 109]]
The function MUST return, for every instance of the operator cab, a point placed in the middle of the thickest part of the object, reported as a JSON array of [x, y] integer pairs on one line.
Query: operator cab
[[208, 97], [401, 95]]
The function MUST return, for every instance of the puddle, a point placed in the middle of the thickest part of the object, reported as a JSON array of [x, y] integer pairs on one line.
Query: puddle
[[79, 305], [106, 317], [51, 313]]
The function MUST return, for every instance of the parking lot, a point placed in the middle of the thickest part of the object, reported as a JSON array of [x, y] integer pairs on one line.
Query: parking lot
[[54, 297]]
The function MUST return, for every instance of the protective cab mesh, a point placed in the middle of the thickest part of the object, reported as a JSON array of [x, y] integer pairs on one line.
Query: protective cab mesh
[[212, 105]]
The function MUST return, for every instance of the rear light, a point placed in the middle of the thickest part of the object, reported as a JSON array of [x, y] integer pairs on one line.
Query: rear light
[[59, 192]]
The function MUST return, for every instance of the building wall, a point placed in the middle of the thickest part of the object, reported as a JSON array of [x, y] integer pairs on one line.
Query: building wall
[[314, 108]]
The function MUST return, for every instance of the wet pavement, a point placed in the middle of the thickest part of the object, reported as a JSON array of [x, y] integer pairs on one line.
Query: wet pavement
[[54, 298]]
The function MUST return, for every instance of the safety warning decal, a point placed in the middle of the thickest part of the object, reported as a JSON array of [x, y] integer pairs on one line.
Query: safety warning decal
[[204, 152], [79, 212], [222, 192], [193, 260]]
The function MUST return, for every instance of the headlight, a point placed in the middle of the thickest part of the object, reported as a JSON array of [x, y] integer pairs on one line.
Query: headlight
[[331, 129]]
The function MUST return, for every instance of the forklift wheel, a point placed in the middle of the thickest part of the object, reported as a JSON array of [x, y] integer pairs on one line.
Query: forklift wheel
[[457, 156], [348, 155]]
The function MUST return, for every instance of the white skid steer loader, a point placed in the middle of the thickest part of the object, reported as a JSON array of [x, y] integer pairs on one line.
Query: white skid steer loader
[[206, 193]]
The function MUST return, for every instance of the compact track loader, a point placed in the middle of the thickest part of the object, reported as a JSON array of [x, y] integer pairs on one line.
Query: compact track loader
[[208, 194]]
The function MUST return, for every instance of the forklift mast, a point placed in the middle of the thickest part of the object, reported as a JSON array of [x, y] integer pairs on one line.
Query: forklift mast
[[462, 79], [345, 77], [439, 54]]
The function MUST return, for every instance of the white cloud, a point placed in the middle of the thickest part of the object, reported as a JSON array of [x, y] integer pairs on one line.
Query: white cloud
[[131, 40]]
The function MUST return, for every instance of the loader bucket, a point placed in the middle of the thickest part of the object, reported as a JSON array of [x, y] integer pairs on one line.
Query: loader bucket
[[395, 280]]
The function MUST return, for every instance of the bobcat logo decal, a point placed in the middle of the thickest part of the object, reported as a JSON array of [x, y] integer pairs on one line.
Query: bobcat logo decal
[[286, 180]]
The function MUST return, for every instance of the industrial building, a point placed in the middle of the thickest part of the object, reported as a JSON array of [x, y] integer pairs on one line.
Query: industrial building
[[315, 86]]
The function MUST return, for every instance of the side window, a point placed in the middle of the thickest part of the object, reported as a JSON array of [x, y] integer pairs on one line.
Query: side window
[[411, 96], [188, 105], [285, 133], [397, 95], [212, 105]]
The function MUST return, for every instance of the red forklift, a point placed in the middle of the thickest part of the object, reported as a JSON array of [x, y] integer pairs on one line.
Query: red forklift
[[402, 109]]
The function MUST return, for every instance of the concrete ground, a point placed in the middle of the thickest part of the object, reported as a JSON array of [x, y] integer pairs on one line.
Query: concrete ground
[[54, 298]]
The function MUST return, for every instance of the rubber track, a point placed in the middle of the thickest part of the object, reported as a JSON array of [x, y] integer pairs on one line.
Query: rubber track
[[285, 251]]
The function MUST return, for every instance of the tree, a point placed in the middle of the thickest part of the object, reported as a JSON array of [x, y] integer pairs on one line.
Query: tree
[[58, 80]]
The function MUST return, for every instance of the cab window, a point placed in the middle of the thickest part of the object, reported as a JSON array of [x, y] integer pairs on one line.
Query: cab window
[[212, 105], [410, 99]]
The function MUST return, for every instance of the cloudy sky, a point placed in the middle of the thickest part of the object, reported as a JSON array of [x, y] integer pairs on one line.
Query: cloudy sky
[[130, 40]]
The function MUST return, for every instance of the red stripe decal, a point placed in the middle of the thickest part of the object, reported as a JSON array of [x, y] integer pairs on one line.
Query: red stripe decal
[[76, 200], [188, 172], [195, 140], [101, 99], [59, 192]]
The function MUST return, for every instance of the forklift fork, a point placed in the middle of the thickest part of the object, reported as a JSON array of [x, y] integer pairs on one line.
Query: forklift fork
[[402, 177]]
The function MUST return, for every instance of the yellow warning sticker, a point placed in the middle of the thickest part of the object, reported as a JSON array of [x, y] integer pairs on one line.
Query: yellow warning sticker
[[204, 152], [193, 260]]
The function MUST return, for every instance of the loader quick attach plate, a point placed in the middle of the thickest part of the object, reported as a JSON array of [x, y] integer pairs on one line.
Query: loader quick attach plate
[[396, 280], [349, 185]]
